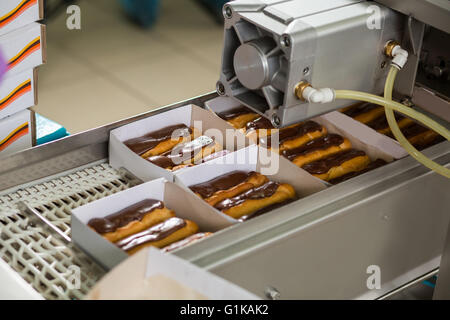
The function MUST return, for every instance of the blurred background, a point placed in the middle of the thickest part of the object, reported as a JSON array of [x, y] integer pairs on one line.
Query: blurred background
[[130, 56]]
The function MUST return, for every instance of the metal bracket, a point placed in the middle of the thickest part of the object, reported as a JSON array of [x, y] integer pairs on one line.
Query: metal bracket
[[36, 216]]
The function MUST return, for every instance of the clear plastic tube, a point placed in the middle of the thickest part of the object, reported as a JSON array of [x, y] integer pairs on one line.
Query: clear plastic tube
[[389, 87], [392, 105]]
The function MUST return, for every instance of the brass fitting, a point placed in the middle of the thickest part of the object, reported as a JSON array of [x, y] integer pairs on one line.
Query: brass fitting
[[299, 88], [389, 47]]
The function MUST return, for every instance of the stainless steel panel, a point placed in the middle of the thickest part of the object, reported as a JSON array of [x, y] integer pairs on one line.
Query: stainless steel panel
[[435, 13], [394, 217]]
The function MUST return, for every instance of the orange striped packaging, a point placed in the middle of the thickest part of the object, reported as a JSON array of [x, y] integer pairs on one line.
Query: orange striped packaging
[[24, 48], [17, 92], [16, 132], [15, 14]]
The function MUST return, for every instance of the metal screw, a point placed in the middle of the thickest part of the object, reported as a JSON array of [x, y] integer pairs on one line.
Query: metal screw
[[276, 120], [305, 71], [285, 41], [227, 12], [220, 88], [272, 293]]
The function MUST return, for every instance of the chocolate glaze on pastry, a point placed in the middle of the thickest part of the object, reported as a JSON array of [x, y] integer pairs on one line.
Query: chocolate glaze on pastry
[[265, 210], [231, 114], [259, 123], [373, 165], [264, 191], [382, 123], [360, 109], [125, 216], [181, 152], [313, 145], [223, 182], [155, 233], [324, 165], [296, 131], [186, 241], [142, 144]]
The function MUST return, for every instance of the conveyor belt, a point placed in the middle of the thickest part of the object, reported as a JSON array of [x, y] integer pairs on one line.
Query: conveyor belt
[[40, 258]]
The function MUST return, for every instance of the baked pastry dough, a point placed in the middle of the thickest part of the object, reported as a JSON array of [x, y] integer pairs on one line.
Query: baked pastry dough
[[160, 141], [238, 117], [365, 112], [338, 165], [160, 235], [317, 149], [373, 165], [296, 135], [130, 220], [228, 185], [187, 241], [256, 199]]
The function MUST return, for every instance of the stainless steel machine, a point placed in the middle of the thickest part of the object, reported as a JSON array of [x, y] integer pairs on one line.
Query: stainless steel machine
[[394, 219]]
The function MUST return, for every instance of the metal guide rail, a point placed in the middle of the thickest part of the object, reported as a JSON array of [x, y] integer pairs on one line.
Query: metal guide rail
[[57, 177]]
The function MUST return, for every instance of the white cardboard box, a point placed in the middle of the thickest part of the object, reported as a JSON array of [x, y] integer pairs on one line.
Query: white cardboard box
[[15, 132], [15, 14], [251, 158], [18, 92], [183, 203], [24, 48], [121, 156], [375, 145], [152, 275]]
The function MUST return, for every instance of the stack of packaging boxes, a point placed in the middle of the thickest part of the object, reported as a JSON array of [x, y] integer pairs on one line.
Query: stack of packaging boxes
[[22, 45]]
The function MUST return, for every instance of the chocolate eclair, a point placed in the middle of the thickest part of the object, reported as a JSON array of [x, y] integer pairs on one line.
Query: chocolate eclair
[[187, 241], [159, 141], [373, 165], [228, 185], [130, 220], [160, 235], [187, 153], [238, 117], [365, 112], [338, 164], [256, 199], [317, 149], [241, 193], [296, 135]]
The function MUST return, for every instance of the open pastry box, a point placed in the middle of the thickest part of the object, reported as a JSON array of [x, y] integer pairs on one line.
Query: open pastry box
[[251, 158], [375, 145], [190, 115], [152, 275], [184, 204]]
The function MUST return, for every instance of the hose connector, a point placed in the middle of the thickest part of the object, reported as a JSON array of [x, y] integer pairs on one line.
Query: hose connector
[[305, 92], [399, 56]]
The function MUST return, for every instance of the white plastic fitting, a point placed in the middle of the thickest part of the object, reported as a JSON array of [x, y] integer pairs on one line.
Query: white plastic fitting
[[324, 95], [400, 57]]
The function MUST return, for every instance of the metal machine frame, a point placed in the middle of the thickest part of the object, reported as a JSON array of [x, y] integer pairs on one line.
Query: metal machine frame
[[395, 217]]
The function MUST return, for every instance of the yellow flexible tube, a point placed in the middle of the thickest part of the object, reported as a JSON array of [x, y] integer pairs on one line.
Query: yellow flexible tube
[[392, 105], [389, 87]]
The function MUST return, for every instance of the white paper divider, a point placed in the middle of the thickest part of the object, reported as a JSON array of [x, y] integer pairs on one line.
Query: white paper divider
[[153, 275], [251, 159], [184, 204], [222, 104], [121, 156]]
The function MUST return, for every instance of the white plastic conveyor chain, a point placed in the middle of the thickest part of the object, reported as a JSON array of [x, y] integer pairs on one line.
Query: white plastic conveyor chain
[[39, 257]]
